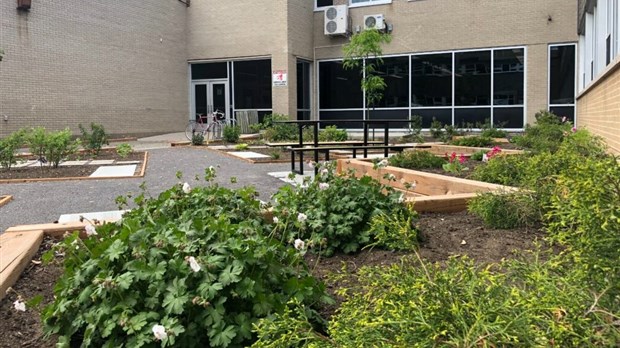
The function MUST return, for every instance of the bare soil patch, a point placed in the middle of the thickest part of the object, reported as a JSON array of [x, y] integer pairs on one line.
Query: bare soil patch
[[442, 235], [41, 172]]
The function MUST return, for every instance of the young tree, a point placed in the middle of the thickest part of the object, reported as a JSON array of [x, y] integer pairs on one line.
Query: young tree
[[366, 47]]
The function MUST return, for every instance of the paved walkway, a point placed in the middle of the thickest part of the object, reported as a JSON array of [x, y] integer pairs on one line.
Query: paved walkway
[[43, 202]]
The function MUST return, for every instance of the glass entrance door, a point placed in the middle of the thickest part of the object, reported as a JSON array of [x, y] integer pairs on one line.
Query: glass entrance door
[[210, 95]]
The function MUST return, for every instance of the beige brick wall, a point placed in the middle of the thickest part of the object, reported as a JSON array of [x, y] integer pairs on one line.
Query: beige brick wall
[[118, 63], [443, 25], [598, 107], [278, 29]]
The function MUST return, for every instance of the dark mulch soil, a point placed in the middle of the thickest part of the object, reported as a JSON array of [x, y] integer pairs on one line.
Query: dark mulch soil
[[24, 329], [443, 235], [38, 172]]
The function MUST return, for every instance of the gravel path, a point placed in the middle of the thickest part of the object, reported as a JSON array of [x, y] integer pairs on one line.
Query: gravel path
[[43, 202]]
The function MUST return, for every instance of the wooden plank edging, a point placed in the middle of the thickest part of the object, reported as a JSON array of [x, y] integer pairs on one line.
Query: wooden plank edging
[[24, 245], [5, 199]]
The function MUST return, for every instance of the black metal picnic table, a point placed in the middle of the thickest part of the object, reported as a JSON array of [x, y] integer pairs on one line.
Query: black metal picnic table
[[301, 124]]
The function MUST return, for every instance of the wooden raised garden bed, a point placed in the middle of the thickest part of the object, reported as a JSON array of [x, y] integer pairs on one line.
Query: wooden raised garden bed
[[433, 192], [442, 149], [5, 199]]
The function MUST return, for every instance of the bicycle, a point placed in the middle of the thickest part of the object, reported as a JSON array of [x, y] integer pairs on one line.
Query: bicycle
[[210, 126]]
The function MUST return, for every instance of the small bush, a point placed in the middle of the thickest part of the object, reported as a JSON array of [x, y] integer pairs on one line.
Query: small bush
[[478, 155], [180, 260], [475, 141], [60, 146], [198, 138], [232, 133], [8, 148], [505, 210], [396, 231], [493, 133], [332, 133], [503, 170], [414, 132], [436, 129], [123, 150], [416, 160], [275, 154], [332, 212], [546, 135], [279, 131], [95, 139], [241, 147], [255, 128]]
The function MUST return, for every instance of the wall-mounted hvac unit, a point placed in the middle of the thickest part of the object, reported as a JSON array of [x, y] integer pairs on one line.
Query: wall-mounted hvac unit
[[336, 20], [374, 22]]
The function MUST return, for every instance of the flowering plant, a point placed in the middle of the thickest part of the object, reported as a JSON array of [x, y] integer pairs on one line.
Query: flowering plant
[[494, 151], [176, 271], [332, 212], [455, 164]]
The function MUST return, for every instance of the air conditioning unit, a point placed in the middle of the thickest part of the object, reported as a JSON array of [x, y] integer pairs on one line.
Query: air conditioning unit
[[374, 22], [336, 20]]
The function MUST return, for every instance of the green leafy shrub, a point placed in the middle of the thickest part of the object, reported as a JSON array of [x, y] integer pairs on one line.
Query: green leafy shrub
[[51, 147], [478, 155], [505, 210], [95, 139], [493, 133], [436, 128], [414, 132], [279, 131], [546, 135], [332, 133], [503, 170], [123, 150], [231, 133], [60, 146], [198, 262], [584, 217], [275, 154], [475, 141], [333, 212], [255, 128], [198, 138], [241, 147], [416, 160], [396, 231], [8, 148]]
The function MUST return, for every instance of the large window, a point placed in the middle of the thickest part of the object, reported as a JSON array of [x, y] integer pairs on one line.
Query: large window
[[562, 80], [461, 88], [322, 3], [209, 71], [368, 2], [339, 88], [252, 84]]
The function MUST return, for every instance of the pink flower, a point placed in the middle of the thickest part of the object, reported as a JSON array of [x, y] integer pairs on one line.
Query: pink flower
[[323, 186], [574, 129], [462, 159]]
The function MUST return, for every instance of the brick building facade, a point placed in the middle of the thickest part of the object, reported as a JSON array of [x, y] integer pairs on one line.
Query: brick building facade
[[148, 67]]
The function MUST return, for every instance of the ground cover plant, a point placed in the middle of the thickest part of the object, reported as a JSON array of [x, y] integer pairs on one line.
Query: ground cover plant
[[473, 141], [177, 272]]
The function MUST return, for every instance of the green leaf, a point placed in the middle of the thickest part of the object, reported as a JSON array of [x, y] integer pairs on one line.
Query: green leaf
[[224, 338], [231, 273]]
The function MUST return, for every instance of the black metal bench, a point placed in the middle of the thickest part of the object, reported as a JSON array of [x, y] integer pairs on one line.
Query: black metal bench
[[326, 149]]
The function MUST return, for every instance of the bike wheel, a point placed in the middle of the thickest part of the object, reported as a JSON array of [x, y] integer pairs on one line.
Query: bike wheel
[[190, 130]]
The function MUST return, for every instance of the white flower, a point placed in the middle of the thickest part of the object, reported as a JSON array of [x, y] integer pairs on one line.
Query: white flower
[[323, 186], [391, 177], [324, 171], [311, 164], [19, 306], [401, 198], [186, 188], [485, 158], [275, 220], [193, 264], [160, 332], [211, 168], [301, 217], [90, 230], [383, 163], [299, 244]]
